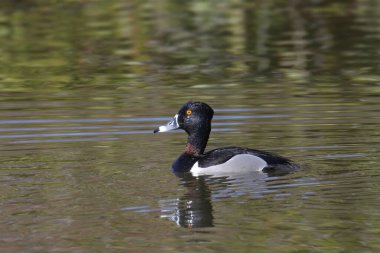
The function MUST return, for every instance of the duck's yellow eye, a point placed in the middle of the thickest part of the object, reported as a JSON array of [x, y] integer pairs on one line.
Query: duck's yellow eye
[[189, 112]]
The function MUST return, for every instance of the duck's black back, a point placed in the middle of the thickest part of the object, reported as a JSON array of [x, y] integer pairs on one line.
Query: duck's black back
[[222, 155]]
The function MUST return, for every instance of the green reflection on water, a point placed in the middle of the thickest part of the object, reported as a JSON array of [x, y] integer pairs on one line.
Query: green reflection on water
[[69, 44]]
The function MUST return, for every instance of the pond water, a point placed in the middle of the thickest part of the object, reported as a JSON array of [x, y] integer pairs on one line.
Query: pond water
[[84, 83]]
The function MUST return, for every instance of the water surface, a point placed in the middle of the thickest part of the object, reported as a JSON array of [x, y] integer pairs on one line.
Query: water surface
[[83, 85]]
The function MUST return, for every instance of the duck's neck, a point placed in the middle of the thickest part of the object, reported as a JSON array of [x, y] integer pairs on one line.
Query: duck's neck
[[196, 142]]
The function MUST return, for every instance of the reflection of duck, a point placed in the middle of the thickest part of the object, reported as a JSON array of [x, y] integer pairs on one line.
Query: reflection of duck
[[195, 118], [194, 209]]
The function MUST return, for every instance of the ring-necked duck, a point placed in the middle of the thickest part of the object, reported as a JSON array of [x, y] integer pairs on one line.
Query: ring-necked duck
[[195, 118]]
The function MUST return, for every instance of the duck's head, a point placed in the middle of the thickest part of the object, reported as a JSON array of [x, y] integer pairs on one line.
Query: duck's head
[[192, 117]]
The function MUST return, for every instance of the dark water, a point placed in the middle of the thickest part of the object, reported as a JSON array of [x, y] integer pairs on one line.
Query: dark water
[[84, 83]]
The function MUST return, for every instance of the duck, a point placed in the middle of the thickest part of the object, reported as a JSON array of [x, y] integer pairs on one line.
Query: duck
[[195, 119]]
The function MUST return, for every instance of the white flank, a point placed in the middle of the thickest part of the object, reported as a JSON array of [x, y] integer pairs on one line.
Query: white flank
[[239, 164]]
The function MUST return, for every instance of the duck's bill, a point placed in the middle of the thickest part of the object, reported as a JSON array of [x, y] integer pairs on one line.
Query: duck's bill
[[171, 125]]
